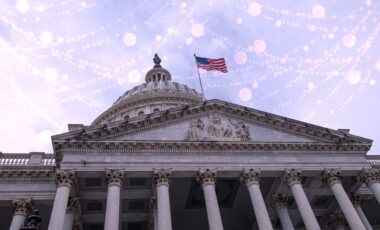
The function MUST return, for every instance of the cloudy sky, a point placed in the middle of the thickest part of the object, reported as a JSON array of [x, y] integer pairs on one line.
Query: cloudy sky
[[67, 61]]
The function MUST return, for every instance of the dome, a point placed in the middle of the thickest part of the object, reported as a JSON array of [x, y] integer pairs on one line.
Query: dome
[[156, 94]]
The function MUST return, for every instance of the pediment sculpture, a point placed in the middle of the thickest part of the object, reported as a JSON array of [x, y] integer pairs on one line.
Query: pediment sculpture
[[217, 129]]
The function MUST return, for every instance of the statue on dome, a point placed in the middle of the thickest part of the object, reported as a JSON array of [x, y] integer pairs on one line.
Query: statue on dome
[[157, 61]]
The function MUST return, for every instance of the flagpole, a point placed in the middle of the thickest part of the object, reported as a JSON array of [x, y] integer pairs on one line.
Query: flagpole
[[199, 77]]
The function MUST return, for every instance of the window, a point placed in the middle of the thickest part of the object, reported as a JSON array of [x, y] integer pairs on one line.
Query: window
[[136, 205], [126, 117], [137, 181], [94, 206], [156, 110], [140, 113], [93, 182]]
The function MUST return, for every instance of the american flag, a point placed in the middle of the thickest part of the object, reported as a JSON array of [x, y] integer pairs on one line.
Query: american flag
[[208, 64]]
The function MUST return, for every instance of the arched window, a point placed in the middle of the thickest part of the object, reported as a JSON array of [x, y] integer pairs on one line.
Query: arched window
[[156, 110], [140, 113]]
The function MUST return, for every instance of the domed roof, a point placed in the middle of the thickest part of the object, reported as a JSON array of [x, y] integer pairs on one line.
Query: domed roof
[[157, 93], [157, 89]]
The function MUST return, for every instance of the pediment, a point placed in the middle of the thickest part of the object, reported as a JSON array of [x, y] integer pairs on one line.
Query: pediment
[[213, 126], [211, 121]]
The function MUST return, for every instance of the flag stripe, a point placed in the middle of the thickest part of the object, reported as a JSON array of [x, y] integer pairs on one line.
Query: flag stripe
[[208, 64]]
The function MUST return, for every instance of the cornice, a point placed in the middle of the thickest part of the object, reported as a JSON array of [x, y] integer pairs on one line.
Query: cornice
[[209, 146], [27, 175]]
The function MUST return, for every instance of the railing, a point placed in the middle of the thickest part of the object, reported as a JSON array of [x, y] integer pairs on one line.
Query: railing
[[27, 159], [48, 161]]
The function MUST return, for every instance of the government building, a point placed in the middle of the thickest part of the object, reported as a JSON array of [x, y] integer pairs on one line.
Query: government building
[[162, 158]]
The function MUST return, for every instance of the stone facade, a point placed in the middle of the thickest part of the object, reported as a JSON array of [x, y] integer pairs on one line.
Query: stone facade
[[191, 164]]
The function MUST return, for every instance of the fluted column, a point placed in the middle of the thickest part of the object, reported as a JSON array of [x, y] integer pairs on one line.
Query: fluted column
[[333, 178], [370, 176], [280, 203], [251, 178], [153, 210], [161, 181], [336, 222], [355, 199], [21, 208], [114, 180], [293, 178], [73, 209], [207, 178], [65, 179]]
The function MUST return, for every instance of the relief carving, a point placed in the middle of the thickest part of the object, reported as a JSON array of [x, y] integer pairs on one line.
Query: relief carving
[[194, 133], [242, 130], [217, 130]]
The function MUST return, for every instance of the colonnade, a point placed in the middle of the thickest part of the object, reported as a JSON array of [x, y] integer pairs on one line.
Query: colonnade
[[65, 208]]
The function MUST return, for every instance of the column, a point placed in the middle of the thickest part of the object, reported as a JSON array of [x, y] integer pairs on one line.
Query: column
[[207, 178], [333, 178], [114, 180], [355, 199], [251, 178], [294, 180], [153, 210], [370, 176], [21, 208], [72, 213], [280, 203], [336, 221], [64, 179], [161, 181]]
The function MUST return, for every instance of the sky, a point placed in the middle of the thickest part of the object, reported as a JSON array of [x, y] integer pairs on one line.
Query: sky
[[67, 61]]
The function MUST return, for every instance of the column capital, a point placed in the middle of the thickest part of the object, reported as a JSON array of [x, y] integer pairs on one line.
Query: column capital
[[335, 220], [332, 176], [279, 200], [369, 176], [250, 176], [161, 176], [292, 176], [114, 177], [152, 204], [355, 198], [22, 206], [73, 206], [65, 177], [207, 176]]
